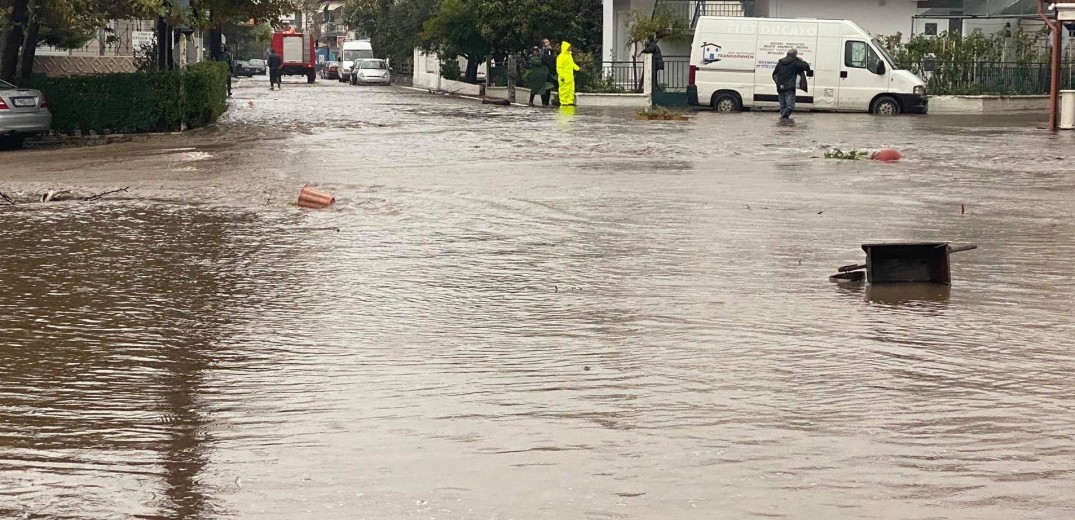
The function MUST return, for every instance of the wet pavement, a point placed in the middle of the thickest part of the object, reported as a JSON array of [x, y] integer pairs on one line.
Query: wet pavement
[[521, 313]]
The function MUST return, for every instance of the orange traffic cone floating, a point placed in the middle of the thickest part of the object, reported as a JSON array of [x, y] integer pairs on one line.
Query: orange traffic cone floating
[[887, 155], [311, 198]]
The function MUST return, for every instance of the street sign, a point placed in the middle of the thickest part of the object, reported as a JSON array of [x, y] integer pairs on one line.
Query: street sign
[[142, 40]]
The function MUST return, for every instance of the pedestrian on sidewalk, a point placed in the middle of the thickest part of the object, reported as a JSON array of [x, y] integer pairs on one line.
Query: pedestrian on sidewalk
[[658, 58], [225, 57], [274, 69], [548, 57], [537, 78], [565, 72], [789, 75]]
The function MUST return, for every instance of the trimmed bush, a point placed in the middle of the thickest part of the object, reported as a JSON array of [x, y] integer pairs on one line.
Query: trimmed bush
[[157, 101]]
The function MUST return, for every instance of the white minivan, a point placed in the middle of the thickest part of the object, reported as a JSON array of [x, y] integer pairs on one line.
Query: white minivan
[[732, 62], [351, 54]]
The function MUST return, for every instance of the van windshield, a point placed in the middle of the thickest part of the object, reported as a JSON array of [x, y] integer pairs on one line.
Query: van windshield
[[884, 52], [357, 54]]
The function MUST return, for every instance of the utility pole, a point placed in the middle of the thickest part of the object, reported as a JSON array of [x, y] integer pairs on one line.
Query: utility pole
[[1064, 11]]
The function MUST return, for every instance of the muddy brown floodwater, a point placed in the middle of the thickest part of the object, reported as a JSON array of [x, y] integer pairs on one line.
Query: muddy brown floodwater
[[520, 314]]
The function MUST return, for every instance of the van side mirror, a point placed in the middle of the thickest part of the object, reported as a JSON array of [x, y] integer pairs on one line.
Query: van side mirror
[[880, 68]]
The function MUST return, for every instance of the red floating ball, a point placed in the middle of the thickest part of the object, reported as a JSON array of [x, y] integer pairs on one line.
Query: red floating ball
[[887, 155]]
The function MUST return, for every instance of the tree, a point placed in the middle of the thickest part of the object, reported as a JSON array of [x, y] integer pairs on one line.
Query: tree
[[474, 29], [218, 12], [665, 24], [515, 26], [455, 31], [478, 28], [63, 20], [246, 41], [392, 26], [212, 15]]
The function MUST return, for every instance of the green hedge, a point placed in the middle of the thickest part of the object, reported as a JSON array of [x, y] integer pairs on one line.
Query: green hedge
[[139, 102]]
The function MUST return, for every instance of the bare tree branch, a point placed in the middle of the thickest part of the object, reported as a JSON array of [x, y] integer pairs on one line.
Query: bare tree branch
[[99, 195]]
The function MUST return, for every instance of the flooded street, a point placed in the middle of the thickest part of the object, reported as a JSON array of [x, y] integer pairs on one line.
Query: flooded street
[[518, 313]]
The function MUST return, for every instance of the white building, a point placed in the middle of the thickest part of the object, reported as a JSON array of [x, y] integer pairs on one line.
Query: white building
[[883, 17], [879, 17]]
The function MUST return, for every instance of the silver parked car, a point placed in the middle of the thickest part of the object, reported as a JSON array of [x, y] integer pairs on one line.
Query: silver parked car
[[23, 112], [371, 72]]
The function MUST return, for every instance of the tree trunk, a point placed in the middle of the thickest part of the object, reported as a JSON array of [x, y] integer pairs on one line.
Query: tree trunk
[[472, 70], [166, 38], [512, 67], [29, 50], [162, 43], [215, 41], [13, 34]]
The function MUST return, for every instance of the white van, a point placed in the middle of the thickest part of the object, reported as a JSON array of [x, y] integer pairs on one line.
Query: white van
[[732, 62], [352, 53]]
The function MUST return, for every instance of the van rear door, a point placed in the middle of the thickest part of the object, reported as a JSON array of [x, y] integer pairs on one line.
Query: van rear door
[[862, 77]]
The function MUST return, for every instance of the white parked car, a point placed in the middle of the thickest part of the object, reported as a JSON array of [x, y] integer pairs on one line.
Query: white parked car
[[352, 53], [371, 72], [23, 112]]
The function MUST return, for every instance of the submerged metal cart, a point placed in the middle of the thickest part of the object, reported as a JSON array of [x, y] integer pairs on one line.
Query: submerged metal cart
[[919, 262]]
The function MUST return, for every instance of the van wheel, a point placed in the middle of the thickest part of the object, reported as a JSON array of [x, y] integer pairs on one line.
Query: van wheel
[[886, 106], [726, 103]]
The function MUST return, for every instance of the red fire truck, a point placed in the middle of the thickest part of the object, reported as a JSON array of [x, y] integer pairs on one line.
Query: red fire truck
[[297, 54]]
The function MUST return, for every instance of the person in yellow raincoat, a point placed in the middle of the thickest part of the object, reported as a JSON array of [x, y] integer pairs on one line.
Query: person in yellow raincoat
[[565, 71]]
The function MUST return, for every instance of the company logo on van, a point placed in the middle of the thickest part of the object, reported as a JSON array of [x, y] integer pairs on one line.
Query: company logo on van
[[710, 52]]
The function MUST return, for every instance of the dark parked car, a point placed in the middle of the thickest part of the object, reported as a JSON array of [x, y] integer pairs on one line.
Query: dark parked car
[[250, 68], [330, 70]]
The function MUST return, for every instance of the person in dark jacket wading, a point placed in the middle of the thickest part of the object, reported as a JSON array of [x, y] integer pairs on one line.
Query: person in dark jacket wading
[[548, 57], [275, 62], [789, 75], [225, 57]]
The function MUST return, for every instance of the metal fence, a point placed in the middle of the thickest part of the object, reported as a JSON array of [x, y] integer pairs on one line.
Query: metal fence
[[629, 76], [116, 40], [1001, 79], [692, 9], [616, 77], [675, 74], [404, 69], [402, 73]]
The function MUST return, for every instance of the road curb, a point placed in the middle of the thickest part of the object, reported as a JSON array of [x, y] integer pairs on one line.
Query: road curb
[[457, 96]]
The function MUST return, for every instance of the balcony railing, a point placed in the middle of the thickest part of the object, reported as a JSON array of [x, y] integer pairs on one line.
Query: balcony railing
[[332, 29], [692, 9]]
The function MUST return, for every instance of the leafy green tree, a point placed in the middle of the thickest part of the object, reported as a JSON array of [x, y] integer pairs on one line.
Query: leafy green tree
[[213, 15], [474, 29], [392, 26], [455, 31], [28, 21], [665, 24], [478, 28], [246, 41]]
